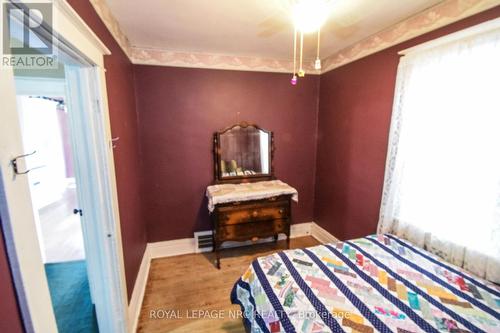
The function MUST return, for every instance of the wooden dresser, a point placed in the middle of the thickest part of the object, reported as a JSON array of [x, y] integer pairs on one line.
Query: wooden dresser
[[251, 220], [246, 202]]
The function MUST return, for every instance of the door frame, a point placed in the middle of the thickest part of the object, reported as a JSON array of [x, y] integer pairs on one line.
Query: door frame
[[21, 239]]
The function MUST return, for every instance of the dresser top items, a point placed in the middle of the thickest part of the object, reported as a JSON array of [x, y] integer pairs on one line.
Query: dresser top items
[[224, 193]]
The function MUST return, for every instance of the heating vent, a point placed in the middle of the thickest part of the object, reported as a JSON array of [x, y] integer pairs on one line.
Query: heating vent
[[203, 241]]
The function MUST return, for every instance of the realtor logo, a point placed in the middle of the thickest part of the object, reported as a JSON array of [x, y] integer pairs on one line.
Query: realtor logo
[[27, 35]]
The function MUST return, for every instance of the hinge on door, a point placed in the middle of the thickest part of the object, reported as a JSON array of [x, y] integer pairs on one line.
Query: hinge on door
[[114, 141]]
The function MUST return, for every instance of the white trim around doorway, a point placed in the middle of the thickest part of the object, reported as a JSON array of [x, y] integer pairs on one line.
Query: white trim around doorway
[[28, 268]]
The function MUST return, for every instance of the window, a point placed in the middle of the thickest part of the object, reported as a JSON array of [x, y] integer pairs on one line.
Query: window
[[443, 165]]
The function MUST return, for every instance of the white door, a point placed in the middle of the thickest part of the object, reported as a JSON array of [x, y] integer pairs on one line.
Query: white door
[[81, 103], [97, 191], [18, 218], [101, 238]]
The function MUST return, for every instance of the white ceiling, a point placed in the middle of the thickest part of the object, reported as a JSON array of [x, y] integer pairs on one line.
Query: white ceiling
[[260, 28]]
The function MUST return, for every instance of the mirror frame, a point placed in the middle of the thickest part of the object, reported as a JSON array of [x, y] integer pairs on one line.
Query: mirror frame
[[241, 179]]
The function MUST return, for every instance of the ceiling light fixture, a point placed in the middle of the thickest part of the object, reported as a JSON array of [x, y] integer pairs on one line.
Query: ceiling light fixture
[[308, 17]]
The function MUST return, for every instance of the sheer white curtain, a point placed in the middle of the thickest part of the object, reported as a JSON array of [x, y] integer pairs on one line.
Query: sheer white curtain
[[442, 181]]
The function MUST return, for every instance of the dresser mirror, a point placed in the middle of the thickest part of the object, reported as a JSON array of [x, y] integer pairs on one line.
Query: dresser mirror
[[243, 153]]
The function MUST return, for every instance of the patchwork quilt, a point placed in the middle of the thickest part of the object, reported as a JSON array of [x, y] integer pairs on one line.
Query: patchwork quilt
[[379, 283]]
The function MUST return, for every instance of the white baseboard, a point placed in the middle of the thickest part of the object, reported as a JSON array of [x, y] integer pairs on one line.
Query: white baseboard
[[135, 305], [296, 230], [171, 248], [321, 234], [300, 230], [188, 246]]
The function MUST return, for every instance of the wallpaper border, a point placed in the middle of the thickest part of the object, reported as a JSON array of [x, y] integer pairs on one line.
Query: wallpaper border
[[433, 18], [442, 14], [159, 57], [112, 24]]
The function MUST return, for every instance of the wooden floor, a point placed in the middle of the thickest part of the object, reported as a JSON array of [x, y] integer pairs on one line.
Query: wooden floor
[[189, 285]]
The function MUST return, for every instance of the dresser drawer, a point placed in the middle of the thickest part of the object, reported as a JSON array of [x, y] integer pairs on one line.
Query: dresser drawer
[[248, 213], [251, 230]]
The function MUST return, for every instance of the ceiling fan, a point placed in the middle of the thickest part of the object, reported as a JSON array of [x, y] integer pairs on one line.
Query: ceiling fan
[[306, 18], [281, 19]]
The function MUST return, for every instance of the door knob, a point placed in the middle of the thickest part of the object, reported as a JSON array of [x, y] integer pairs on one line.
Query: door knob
[[77, 211]]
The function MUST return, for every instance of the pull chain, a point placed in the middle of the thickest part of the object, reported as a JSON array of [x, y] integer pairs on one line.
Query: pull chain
[[294, 77], [317, 63], [301, 70]]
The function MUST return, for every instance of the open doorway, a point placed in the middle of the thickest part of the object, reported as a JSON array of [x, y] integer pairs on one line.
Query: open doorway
[[44, 115], [39, 191], [45, 131]]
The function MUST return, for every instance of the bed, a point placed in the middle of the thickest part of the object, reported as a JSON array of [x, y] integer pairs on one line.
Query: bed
[[377, 283]]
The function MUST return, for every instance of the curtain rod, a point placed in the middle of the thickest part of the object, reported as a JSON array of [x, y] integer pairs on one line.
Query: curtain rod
[[484, 27]]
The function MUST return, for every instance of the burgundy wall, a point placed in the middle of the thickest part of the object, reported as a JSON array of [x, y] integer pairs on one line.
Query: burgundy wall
[[121, 99], [180, 109], [354, 118], [10, 317]]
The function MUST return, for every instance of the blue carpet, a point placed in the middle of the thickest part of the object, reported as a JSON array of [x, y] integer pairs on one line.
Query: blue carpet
[[70, 293]]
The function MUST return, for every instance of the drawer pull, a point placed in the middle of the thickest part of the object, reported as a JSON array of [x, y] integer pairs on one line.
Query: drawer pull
[[254, 239], [255, 213], [281, 211]]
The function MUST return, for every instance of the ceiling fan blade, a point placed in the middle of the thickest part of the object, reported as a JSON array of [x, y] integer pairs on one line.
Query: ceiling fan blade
[[272, 26], [341, 31]]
